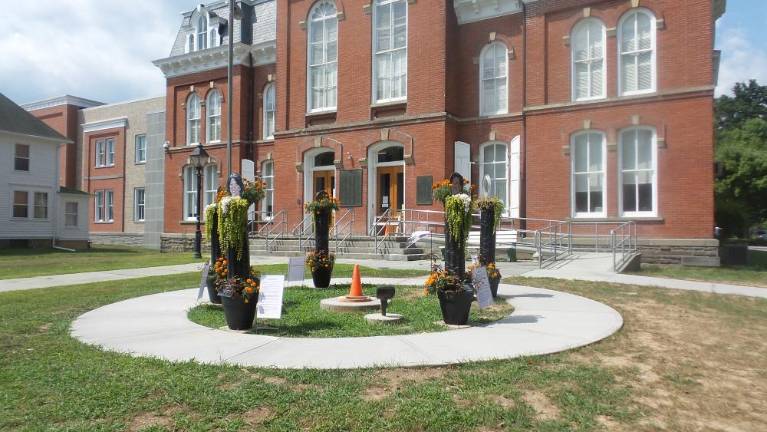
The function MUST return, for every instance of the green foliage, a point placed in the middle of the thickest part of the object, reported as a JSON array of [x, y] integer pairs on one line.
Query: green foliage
[[458, 215], [748, 101], [210, 220], [324, 203], [233, 223], [491, 202]]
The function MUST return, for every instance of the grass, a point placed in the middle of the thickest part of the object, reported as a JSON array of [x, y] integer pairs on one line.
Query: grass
[[683, 361], [21, 263], [754, 274], [302, 316]]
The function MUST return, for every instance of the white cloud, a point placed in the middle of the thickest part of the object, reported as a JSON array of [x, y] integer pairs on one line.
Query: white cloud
[[742, 60], [97, 49]]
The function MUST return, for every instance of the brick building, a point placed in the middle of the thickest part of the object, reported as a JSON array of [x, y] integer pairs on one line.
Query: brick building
[[587, 110]]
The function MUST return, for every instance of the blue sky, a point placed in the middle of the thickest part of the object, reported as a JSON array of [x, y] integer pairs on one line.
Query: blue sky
[[102, 49]]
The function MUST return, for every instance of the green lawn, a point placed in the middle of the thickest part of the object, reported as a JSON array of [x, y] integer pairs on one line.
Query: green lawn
[[303, 318], [21, 263], [678, 357], [755, 274]]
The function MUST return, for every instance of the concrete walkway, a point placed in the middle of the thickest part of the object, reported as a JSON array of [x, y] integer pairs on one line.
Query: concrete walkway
[[543, 322]]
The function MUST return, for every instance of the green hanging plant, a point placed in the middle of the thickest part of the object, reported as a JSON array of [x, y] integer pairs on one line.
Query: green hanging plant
[[458, 213], [233, 223], [210, 220], [494, 203]]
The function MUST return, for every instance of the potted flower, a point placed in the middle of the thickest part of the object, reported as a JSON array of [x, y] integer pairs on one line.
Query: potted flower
[[493, 275], [454, 294], [490, 209], [211, 234], [238, 295], [321, 261]]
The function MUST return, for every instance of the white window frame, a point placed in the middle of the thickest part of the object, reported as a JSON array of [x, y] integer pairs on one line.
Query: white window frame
[[654, 169], [28, 157], [268, 187], [68, 213], [482, 80], [270, 109], [109, 204], [573, 173], [190, 193], [483, 163], [101, 153], [213, 36], [103, 206], [376, 98], [324, 64], [14, 205], [653, 49], [209, 184], [139, 206], [589, 61], [140, 150], [35, 207], [192, 108], [110, 144], [213, 115], [201, 33]]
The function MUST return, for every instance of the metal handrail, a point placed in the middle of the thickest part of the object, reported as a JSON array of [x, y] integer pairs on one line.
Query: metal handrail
[[278, 223], [381, 221], [345, 222], [624, 237], [300, 230]]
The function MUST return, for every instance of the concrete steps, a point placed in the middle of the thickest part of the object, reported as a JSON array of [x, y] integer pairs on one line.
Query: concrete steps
[[357, 247]]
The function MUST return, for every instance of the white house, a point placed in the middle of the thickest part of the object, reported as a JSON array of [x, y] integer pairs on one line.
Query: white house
[[34, 210]]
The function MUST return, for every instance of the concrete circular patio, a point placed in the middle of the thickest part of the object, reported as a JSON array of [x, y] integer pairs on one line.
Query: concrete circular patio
[[543, 322]]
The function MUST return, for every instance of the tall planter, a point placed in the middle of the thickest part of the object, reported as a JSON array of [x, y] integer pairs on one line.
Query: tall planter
[[322, 230], [321, 262], [455, 305], [239, 315], [455, 255], [487, 235], [215, 252]]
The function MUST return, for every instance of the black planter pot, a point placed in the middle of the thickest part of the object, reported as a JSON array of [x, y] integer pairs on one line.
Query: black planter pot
[[494, 282], [321, 276], [239, 315], [212, 292], [455, 306]]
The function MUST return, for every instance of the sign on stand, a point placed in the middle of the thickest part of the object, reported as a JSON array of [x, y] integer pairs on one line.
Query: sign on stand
[[203, 280], [270, 297], [296, 269], [481, 283]]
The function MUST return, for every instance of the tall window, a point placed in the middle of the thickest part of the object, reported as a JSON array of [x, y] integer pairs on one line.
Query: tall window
[[70, 214], [110, 152], [20, 204], [99, 214], [140, 149], [269, 111], [105, 152], [40, 210], [138, 204], [21, 157], [213, 37], [390, 50], [202, 33], [213, 107], [110, 201], [494, 79], [494, 177], [588, 51], [323, 57], [637, 52], [211, 184], [267, 175], [190, 43], [190, 193], [193, 120], [638, 156], [588, 156]]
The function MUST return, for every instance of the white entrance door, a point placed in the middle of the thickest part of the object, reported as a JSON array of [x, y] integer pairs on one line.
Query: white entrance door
[[463, 159], [515, 176]]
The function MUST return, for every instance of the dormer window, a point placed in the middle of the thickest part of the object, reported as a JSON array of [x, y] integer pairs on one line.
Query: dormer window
[[202, 33]]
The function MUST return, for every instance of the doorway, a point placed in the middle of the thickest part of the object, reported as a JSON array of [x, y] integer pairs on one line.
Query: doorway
[[391, 190], [324, 181]]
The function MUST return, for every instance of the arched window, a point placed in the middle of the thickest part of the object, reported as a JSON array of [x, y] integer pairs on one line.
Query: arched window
[[210, 186], [213, 37], [494, 79], [190, 43], [494, 173], [389, 50], [588, 56], [202, 33], [193, 119], [588, 155], [269, 111], [267, 204], [323, 57], [210, 174], [636, 47], [213, 126], [638, 172]]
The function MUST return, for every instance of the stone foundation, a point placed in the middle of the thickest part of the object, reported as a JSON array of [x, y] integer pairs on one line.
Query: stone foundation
[[121, 239], [702, 252]]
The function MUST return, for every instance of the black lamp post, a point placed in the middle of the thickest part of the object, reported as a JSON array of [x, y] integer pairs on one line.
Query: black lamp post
[[198, 158]]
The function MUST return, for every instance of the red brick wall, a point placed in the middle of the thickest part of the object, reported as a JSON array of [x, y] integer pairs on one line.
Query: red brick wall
[[106, 178], [64, 120]]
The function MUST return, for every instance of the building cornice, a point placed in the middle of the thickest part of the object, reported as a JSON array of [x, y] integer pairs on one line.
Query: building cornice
[[469, 11], [115, 123], [214, 58], [61, 100]]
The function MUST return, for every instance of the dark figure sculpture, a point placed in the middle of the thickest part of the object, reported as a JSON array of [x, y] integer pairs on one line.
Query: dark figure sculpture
[[322, 225], [237, 267], [455, 257]]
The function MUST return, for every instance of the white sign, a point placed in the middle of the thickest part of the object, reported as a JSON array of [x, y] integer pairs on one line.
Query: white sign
[[203, 280], [482, 285], [296, 269], [270, 297]]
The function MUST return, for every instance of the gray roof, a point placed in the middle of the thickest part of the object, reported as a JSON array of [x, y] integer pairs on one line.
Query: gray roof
[[258, 23], [16, 119]]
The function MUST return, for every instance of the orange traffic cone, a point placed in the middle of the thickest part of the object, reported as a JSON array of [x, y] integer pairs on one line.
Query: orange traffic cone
[[355, 292]]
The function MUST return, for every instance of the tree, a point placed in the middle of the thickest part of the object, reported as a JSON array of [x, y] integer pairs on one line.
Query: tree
[[748, 101]]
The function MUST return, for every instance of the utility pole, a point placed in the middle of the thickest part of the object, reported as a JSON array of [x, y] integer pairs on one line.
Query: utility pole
[[229, 70]]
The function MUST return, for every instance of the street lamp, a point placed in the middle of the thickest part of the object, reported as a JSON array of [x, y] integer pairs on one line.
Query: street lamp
[[197, 159]]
